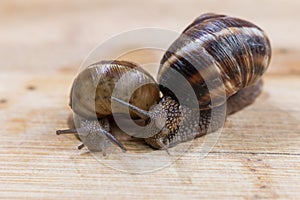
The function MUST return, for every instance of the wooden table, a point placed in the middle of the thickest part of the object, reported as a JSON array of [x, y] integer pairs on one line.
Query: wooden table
[[257, 155]]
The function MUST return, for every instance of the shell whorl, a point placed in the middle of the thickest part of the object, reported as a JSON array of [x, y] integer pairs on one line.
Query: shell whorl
[[216, 47], [93, 87]]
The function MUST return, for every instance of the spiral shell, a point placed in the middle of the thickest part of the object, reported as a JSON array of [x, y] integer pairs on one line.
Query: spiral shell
[[237, 49], [92, 89]]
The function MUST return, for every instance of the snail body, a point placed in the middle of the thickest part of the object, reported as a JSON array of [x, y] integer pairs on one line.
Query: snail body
[[90, 99]]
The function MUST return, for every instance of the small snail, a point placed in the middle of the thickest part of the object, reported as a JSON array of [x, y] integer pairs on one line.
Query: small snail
[[91, 103], [237, 49]]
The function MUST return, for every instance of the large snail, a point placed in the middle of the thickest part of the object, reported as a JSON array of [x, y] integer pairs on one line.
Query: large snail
[[213, 47], [91, 104]]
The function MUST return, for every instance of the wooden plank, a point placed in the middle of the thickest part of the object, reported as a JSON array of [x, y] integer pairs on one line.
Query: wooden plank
[[256, 155]]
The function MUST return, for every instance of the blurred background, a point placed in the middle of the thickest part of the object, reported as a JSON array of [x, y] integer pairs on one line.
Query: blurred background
[[52, 34]]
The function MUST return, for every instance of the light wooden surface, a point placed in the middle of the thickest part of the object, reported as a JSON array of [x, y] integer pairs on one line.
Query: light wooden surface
[[257, 156]]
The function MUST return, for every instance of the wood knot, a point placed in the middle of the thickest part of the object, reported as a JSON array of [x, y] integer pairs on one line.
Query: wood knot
[[31, 87], [3, 101]]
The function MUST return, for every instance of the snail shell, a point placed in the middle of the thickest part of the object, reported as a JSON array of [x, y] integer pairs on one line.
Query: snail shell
[[237, 49], [213, 47], [93, 87]]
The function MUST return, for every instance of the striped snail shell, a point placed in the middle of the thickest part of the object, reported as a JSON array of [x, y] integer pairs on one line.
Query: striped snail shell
[[213, 47], [90, 99], [237, 49]]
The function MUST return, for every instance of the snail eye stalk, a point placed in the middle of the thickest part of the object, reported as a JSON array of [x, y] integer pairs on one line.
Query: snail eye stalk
[[140, 112], [107, 134]]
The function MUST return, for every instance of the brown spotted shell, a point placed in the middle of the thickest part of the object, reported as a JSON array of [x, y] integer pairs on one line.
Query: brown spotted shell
[[93, 87], [212, 48]]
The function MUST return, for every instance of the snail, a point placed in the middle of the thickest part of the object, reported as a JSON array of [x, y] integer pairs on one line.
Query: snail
[[91, 104], [213, 46]]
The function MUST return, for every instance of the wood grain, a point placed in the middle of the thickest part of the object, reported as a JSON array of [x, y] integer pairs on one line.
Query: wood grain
[[256, 156]]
